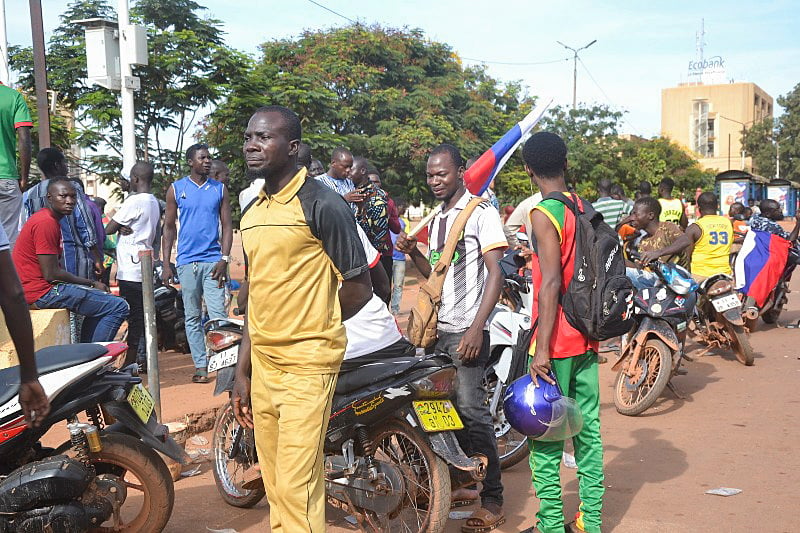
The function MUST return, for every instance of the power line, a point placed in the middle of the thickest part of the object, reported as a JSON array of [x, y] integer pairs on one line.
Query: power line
[[611, 102], [326, 8], [524, 63]]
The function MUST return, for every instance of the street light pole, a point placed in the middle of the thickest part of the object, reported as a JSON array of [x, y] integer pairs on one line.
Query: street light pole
[[575, 69], [40, 73], [744, 136], [4, 74], [126, 89]]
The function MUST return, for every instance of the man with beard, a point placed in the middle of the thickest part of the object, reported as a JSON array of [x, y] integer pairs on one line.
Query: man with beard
[[300, 240], [201, 206]]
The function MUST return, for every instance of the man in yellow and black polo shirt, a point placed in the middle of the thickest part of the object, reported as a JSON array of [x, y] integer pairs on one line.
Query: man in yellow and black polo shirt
[[710, 238], [672, 209], [300, 241]]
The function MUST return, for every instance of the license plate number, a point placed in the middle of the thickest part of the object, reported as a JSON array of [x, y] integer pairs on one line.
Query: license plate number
[[437, 415], [223, 359], [141, 401], [729, 301]]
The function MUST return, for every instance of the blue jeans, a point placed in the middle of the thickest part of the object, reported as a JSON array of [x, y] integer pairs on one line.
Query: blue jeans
[[196, 287], [641, 279], [103, 313], [478, 433], [398, 278]]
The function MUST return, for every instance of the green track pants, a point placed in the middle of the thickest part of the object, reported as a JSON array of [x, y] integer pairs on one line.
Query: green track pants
[[578, 378]]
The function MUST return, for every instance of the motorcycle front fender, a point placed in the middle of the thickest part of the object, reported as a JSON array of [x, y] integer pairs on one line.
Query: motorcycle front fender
[[153, 434], [648, 327]]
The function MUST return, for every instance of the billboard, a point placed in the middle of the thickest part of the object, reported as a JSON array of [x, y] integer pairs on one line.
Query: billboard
[[730, 192]]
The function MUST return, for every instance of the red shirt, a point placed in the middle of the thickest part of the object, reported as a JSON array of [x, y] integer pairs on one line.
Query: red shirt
[[566, 341], [41, 235]]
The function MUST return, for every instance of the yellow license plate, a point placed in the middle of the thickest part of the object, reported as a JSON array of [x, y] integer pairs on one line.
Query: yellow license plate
[[141, 401], [437, 415]]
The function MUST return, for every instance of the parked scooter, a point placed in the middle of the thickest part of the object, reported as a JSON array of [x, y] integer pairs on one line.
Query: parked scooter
[[509, 317], [652, 353], [390, 449], [108, 476], [718, 321]]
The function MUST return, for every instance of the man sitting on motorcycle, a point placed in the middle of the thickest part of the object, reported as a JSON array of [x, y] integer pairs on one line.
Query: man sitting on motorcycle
[[709, 241], [651, 234], [771, 214]]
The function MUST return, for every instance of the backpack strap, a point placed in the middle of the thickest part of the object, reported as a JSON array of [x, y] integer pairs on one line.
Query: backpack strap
[[433, 285]]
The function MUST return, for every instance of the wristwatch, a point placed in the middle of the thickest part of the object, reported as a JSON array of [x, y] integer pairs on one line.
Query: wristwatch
[[226, 258]]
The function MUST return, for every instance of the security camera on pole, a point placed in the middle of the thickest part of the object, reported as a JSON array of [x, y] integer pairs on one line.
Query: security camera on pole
[[112, 48]]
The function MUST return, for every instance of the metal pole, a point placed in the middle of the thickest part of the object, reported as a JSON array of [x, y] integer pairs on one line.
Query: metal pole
[[126, 91], [4, 74], [777, 160], [574, 79], [40, 73], [744, 134], [729, 151], [150, 336]]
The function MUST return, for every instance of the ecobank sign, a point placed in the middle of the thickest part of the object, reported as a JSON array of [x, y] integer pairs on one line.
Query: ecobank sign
[[711, 69]]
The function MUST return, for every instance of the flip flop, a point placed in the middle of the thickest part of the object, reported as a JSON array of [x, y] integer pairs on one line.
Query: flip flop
[[200, 376], [483, 521], [462, 503]]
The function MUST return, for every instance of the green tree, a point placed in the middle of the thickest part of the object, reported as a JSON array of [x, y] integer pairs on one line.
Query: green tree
[[760, 140], [189, 68], [389, 94]]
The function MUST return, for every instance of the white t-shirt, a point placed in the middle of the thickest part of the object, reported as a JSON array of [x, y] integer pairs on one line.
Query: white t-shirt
[[373, 327], [463, 285], [141, 213], [250, 193]]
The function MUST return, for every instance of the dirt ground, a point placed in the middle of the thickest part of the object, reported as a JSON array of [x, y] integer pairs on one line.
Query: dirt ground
[[737, 427]]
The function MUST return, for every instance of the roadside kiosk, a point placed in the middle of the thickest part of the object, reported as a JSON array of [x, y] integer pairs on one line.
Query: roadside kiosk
[[739, 186], [785, 193]]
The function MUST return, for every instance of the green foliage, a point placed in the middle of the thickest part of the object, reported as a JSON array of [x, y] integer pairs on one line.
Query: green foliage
[[389, 94], [190, 67], [760, 140]]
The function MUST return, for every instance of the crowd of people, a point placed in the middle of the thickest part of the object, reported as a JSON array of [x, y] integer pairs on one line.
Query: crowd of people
[[326, 254]]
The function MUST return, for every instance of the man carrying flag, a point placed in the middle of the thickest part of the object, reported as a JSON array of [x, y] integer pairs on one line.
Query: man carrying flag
[[764, 253]]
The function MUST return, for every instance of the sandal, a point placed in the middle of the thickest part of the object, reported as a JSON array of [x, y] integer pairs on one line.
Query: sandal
[[200, 376], [464, 502], [483, 520]]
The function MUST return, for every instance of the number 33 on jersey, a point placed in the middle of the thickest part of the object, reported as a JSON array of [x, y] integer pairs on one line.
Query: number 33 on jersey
[[712, 250]]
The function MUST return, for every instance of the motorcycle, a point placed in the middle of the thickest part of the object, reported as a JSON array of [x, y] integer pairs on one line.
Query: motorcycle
[[652, 352], [510, 316], [169, 315], [718, 321], [772, 308], [108, 476], [390, 449]]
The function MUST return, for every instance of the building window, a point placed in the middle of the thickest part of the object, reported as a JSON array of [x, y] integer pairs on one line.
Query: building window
[[700, 127], [710, 127], [710, 149]]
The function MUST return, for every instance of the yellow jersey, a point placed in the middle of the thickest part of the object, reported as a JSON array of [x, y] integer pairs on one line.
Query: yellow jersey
[[712, 250], [671, 210]]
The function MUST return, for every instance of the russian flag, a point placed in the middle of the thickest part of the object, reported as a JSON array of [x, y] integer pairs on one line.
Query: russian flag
[[478, 177], [760, 264]]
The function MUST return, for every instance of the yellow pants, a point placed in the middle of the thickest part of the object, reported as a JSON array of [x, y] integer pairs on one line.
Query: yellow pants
[[290, 413]]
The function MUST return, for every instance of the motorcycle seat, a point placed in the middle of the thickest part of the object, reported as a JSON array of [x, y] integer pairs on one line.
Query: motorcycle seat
[[50, 359], [363, 371]]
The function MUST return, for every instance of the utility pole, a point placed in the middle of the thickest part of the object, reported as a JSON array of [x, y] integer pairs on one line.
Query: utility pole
[[4, 74], [129, 84], [575, 69], [40, 73]]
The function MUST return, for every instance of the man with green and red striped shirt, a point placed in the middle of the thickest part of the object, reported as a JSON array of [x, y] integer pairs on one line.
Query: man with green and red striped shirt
[[558, 346], [15, 124]]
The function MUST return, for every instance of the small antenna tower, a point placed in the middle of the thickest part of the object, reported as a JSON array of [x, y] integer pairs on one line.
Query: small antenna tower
[[700, 42]]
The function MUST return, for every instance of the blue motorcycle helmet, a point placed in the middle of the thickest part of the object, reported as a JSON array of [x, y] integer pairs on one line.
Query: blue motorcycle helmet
[[542, 413]]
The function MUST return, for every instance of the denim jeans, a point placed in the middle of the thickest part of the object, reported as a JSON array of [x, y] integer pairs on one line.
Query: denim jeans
[[398, 279], [103, 313], [641, 279], [478, 433], [196, 287]]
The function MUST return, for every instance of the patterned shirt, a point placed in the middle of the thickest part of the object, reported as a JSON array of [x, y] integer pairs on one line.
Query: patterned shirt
[[759, 223], [463, 285], [612, 210], [372, 215], [341, 187]]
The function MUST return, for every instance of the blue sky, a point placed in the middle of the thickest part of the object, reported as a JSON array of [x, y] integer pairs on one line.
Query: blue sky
[[641, 47]]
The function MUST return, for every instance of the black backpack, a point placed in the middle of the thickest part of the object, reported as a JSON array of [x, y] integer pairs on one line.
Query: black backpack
[[599, 298]]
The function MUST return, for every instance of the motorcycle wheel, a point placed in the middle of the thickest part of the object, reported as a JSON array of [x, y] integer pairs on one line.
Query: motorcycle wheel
[[229, 473], [512, 446], [633, 396], [771, 316], [426, 503], [146, 478], [740, 344]]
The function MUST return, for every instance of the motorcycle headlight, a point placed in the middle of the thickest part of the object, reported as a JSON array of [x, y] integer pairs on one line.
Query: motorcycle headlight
[[218, 340], [440, 384]]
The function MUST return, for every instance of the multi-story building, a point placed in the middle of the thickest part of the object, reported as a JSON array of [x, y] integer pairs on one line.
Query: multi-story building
[[710, 121]]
